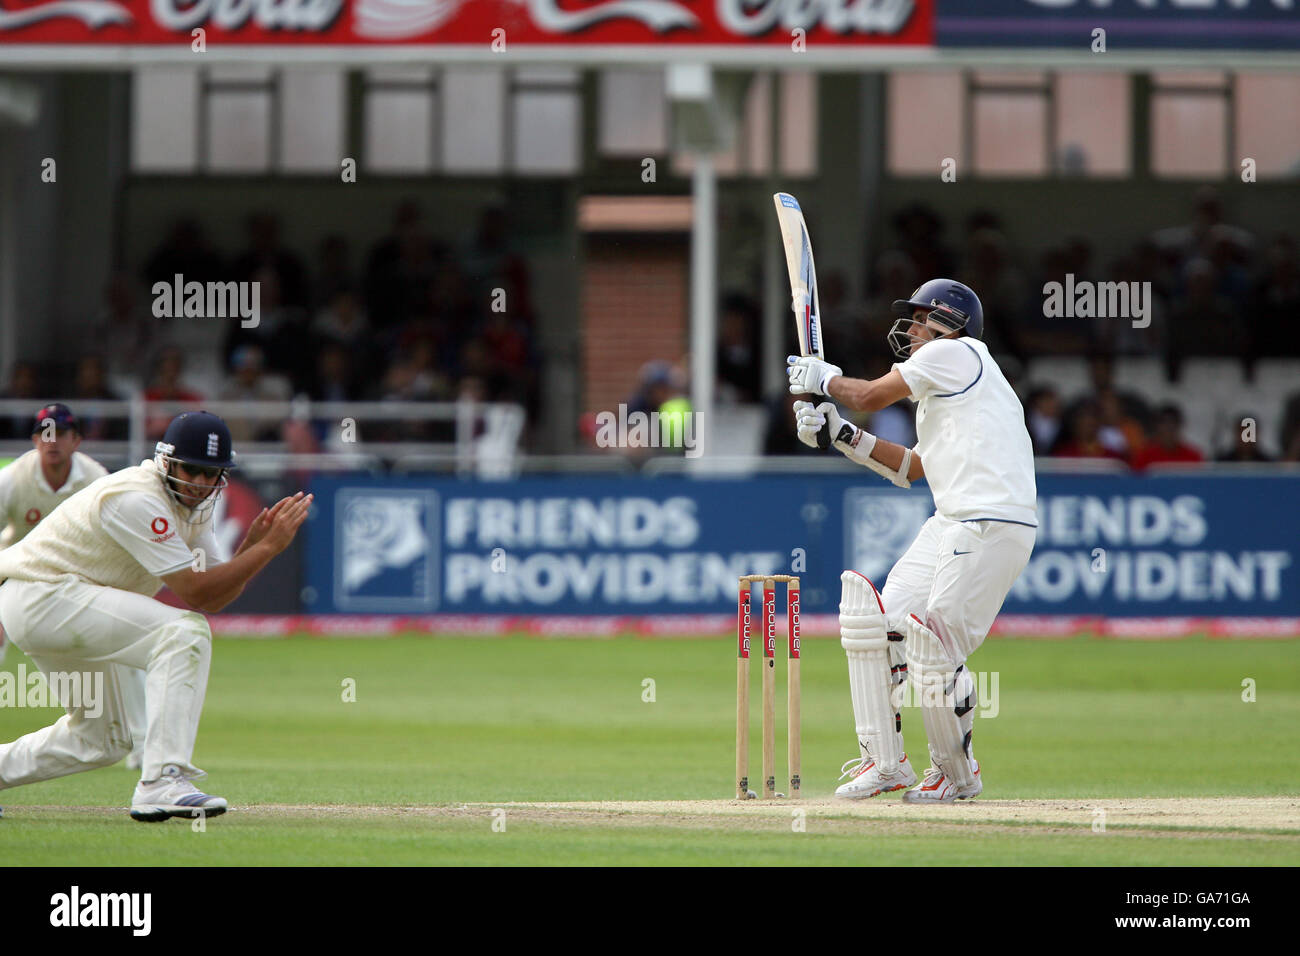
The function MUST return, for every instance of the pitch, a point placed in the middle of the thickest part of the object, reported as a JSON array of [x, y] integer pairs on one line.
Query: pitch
[[577, 751]]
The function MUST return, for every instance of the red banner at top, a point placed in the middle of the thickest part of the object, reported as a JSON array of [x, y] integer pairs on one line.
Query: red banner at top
[[466, 23]]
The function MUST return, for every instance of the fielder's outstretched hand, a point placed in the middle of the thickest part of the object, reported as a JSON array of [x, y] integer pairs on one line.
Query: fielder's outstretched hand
[[284, 524], [262, 523], [808, 375]]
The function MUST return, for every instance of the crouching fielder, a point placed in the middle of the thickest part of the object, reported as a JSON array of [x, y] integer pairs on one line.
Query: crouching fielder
[[943, 594], [78, 597]]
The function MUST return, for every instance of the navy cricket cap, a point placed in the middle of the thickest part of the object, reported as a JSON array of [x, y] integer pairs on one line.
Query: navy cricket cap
[[60, 414]]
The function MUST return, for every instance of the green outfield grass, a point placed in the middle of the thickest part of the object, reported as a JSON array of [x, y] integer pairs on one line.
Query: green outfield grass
[[452, 728]]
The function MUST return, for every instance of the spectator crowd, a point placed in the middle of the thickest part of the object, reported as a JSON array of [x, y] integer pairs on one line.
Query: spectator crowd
[[410, 318], [416, 318]]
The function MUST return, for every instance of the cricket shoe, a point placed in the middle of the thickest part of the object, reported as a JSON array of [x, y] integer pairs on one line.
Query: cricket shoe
[[172, 795], [937, 788], [867, 780]]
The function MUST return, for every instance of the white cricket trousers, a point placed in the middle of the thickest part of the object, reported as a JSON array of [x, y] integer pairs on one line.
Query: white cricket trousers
[[954, 577], [72, 627]]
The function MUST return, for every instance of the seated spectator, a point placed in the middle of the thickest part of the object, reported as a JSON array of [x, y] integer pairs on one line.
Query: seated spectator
[[1167, 443], [342, 319], [124, 330], [490, 259], [265, 251], [25, 384], [1291, 429], [1245, 443], [512, 374], [1101, 374], [739, 374], [661, 388], [657, 382], [335, 381], [1117, 334], [399, 269], [90, 385], [166, 386], [920, 236], [1044, 418], [1120, 431], [1231, 261], [415, 375], [988, 265], [333, 273], [248, 382], [1207, 222], [284, 334], [1276, 294], [1206, 322], [185, 251], [1084, 440], [1040, 335], [894, 278]]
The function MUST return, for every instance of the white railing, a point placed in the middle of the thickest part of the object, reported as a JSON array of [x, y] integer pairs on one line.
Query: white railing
[[483, 438]]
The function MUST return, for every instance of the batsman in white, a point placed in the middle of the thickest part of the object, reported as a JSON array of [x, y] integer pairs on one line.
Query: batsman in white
[[33, 486], [77, 597], [943, 594]]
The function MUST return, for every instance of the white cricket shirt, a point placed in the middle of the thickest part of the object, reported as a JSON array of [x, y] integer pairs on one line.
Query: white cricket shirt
[[26, 497], [123, 531], [971, 435]]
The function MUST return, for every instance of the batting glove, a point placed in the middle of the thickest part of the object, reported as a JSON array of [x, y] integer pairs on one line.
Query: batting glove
[[817, 426], [808, 375], [808, 422]]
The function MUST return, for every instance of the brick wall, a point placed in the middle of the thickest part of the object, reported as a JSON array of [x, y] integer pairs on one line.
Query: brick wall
[[634, 309]]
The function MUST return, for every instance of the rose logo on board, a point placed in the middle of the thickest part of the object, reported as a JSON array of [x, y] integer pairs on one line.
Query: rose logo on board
[[386, 550], [879, 524]]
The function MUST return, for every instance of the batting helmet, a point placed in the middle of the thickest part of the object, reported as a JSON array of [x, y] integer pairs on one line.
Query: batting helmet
[[953, 305], [198, 440]]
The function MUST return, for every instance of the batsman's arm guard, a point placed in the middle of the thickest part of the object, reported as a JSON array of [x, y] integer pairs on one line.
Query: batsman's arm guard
[[856, 444]]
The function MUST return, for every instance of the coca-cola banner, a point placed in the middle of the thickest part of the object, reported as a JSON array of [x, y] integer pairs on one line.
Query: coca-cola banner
[[496, 25]]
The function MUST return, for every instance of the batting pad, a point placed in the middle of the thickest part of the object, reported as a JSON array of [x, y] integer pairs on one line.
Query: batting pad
[[866, 642], [947, 694]]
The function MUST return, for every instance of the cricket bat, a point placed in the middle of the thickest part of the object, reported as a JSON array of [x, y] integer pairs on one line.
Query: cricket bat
[[803, 282]]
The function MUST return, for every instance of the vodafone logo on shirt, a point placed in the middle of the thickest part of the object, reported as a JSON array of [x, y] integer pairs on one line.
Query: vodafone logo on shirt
[[159, 527], [33, 516]]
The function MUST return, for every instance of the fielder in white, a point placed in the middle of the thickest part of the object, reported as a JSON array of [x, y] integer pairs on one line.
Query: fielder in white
[[77, 596], [33, 486], [944, 593]]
